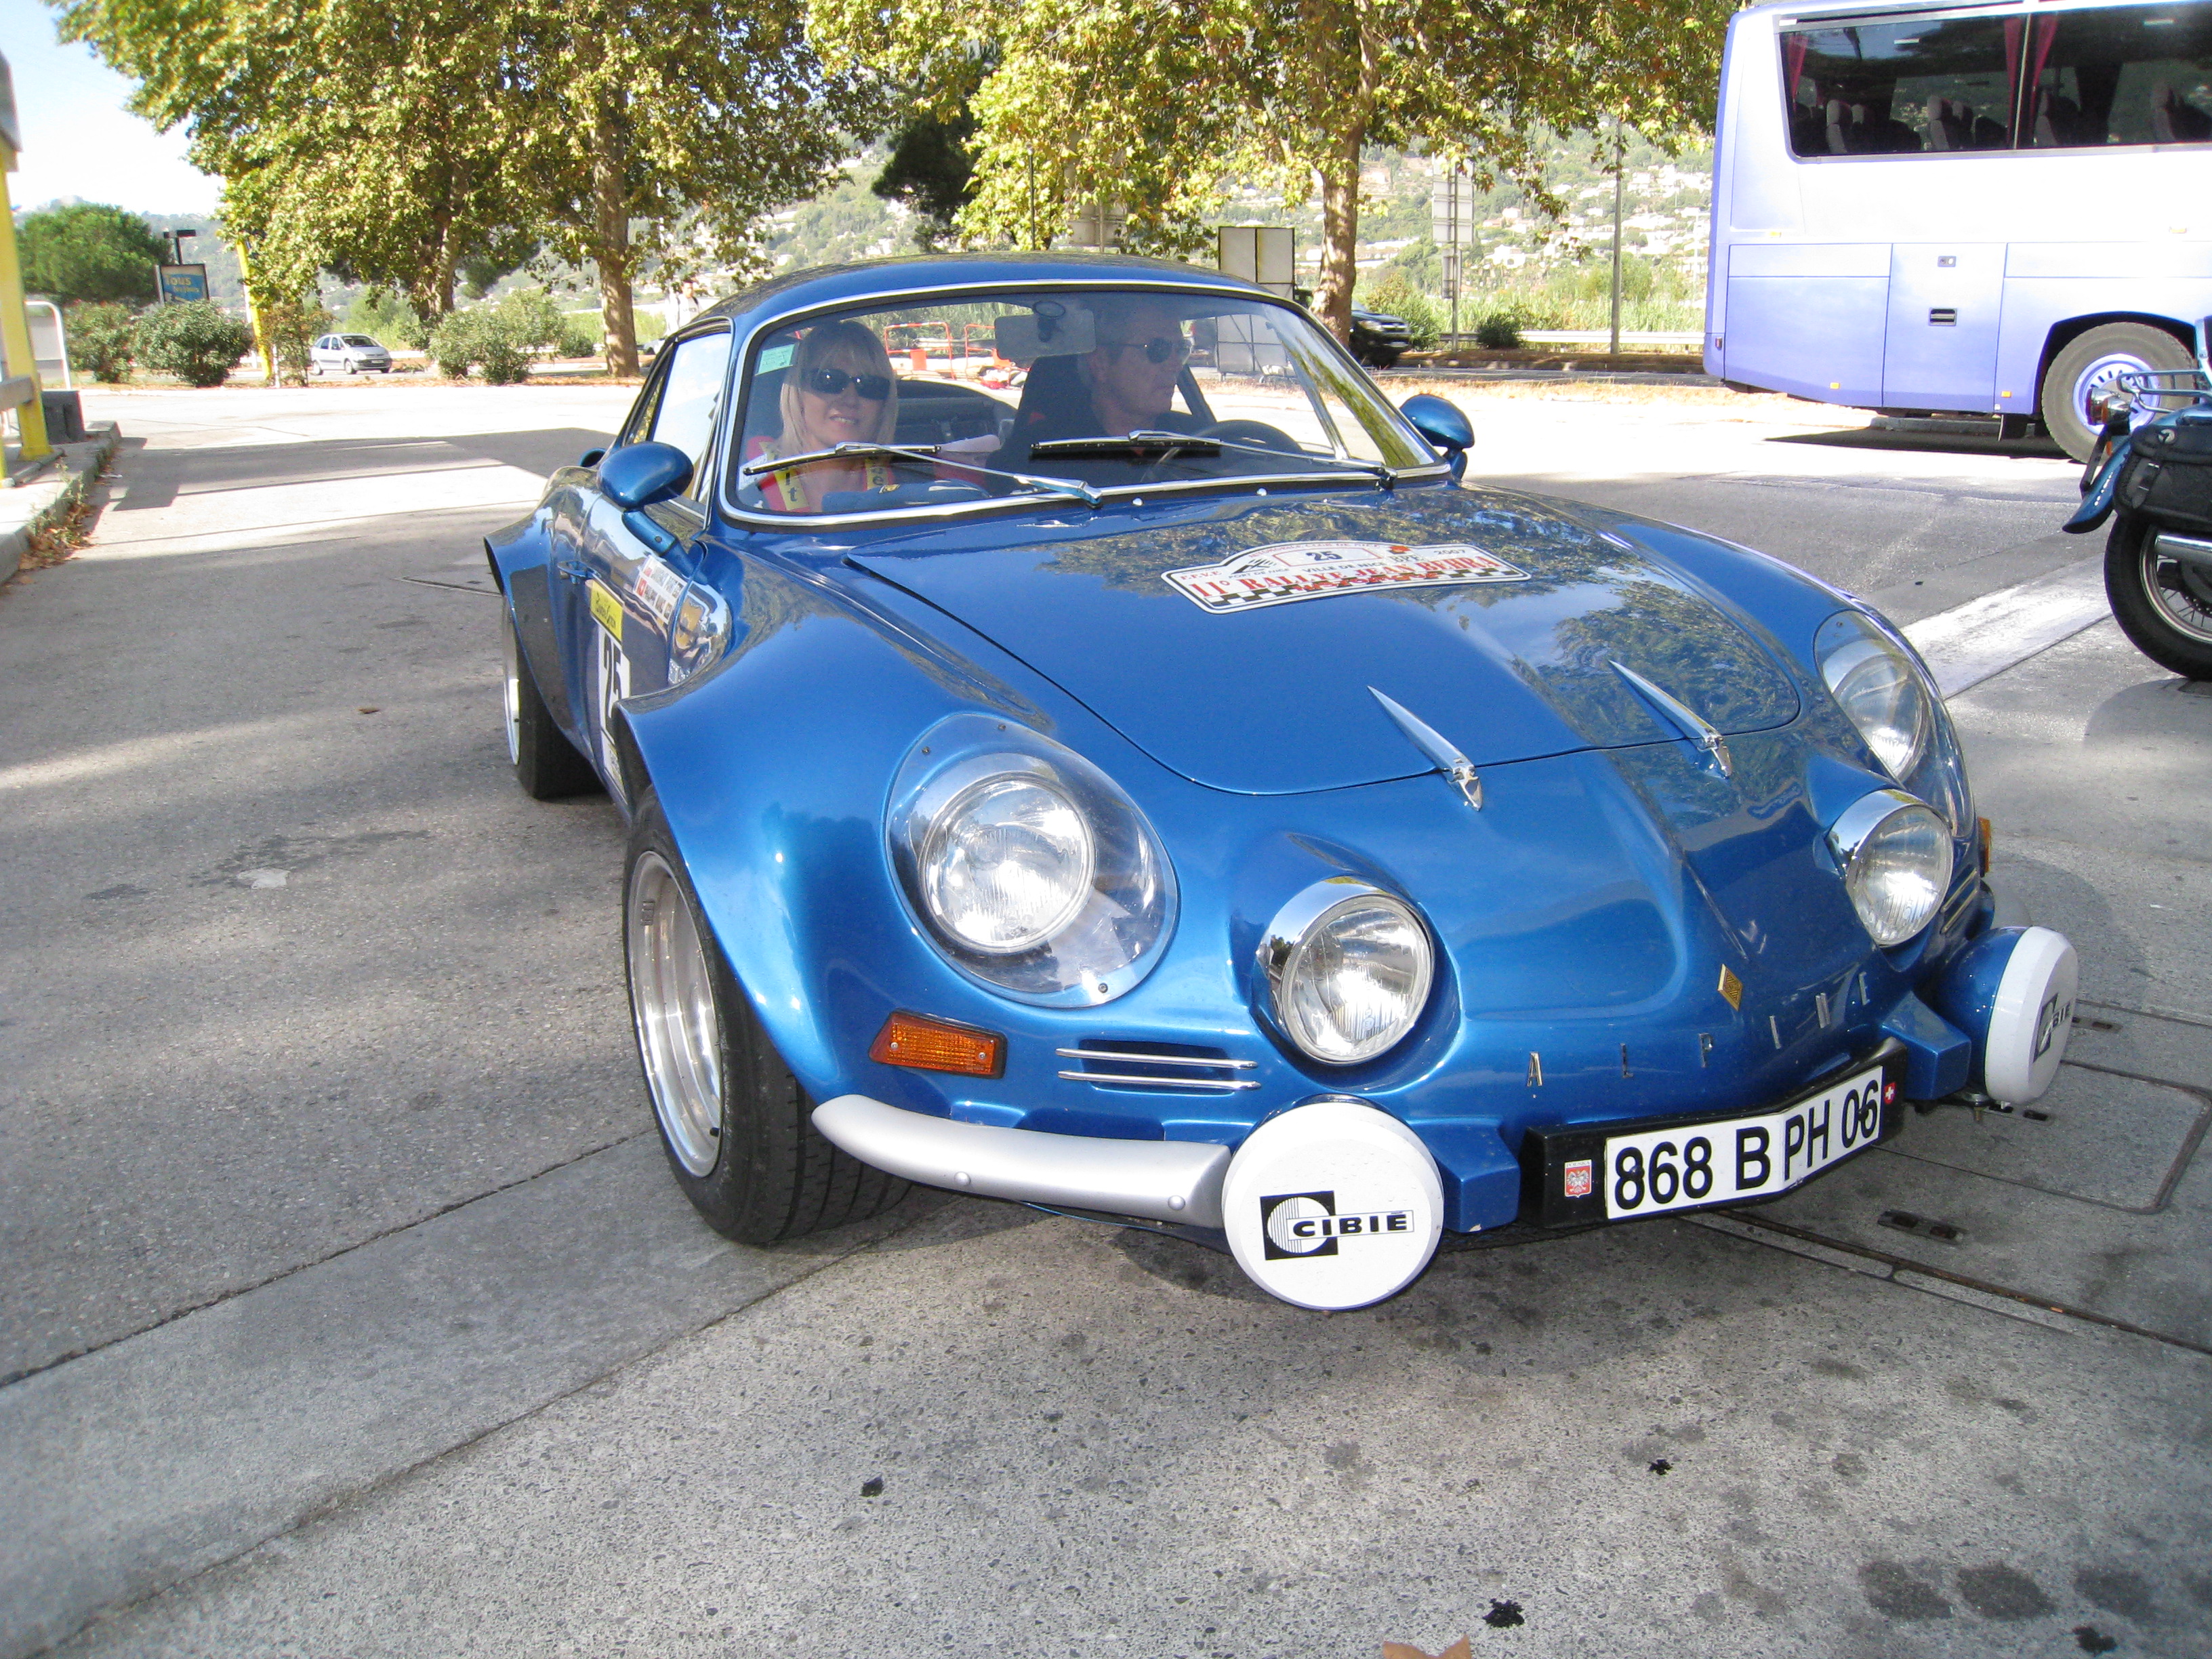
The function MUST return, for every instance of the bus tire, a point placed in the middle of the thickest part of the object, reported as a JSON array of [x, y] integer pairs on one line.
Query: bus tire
[[2088, 364]]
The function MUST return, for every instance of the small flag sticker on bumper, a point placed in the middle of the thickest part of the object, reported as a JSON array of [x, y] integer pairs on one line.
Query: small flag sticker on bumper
[[1578, 1178]]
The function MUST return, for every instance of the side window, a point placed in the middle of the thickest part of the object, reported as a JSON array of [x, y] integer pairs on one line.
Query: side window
[[691, 396], [1900, 88], [2137, 76]]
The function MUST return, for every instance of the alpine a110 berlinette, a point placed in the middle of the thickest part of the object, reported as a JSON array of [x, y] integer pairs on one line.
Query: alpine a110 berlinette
[[1083, 746]]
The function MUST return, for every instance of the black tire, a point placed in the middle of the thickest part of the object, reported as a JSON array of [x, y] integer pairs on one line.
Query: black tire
[[546, 764], [760, 1172], [2088, 364], [2161, 604]]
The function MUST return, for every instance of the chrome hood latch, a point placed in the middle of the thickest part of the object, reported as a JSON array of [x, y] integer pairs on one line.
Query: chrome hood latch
[[1433, 744]]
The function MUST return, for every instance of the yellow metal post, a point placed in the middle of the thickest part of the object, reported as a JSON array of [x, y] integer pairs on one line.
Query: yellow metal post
[[14, 323]]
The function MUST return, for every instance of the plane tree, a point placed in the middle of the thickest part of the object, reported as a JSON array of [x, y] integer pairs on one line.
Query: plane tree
[[402, 141]]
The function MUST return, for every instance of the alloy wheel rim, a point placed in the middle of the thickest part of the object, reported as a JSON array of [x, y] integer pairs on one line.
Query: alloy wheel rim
[[672, 1001], [511, 697]]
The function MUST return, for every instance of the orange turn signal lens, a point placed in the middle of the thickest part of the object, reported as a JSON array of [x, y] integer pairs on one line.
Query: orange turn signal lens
[[939, 1045], [1988, 838]]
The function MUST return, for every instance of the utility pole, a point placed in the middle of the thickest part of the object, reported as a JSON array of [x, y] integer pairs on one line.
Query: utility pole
[[1619, 153]]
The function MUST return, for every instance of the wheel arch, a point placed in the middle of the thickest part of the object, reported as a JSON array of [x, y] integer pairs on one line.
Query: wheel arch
[[2064, 333], [772, 769]]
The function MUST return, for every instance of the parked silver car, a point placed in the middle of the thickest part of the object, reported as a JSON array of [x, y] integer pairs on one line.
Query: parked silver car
[[348, 354]]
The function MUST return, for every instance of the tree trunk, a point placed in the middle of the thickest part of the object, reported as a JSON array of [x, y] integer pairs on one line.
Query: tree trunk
[[611, 248], [1339, 237]]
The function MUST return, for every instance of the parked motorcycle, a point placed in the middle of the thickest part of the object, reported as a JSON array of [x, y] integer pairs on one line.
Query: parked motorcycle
[[2150, 472]]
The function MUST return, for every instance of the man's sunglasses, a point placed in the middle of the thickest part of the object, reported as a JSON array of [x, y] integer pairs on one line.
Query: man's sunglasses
[[832, 382], [1159, 349]]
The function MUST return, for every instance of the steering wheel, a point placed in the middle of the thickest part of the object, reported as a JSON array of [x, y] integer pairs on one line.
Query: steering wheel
[[1241, 432], [1253, 432]]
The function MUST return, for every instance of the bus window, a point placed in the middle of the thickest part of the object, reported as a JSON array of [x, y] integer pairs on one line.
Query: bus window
[[1898, 88], [2140, 76]]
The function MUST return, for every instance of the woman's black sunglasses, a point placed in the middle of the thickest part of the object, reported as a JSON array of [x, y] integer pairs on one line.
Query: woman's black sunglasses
[[831, 382]]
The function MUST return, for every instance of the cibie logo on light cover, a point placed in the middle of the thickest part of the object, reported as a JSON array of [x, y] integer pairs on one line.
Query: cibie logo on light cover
[[1288, 571], [1307, 1224]]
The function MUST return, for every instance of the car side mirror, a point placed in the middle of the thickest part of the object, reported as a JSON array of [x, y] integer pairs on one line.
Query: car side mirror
[[590, 457], [638, 475], [1444, 425]]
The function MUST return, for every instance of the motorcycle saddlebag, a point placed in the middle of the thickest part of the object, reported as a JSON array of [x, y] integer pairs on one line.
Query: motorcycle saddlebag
[[2168, 479]]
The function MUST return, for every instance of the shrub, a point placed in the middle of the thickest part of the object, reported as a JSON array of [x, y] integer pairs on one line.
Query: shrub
[[101, 340], [579, 335], [290, 327], [1498, 331], [198, 341], [483, 338], [1394, 296]]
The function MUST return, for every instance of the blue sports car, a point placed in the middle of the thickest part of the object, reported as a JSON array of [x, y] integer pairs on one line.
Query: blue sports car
[[1082, 746]]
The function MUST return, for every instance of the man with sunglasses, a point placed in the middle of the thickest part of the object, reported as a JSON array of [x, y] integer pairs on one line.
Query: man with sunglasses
[[1133, 372]]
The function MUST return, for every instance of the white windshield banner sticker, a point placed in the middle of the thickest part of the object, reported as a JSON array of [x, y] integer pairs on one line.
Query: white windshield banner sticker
[[1289, 571]]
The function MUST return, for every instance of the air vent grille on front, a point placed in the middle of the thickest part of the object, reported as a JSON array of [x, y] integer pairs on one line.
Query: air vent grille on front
[[1175, 1067]]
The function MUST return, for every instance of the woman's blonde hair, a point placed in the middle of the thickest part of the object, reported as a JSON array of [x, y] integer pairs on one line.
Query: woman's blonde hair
[[847, 339]]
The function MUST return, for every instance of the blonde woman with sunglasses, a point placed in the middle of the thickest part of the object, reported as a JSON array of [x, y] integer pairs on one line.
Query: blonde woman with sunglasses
[[839, 390]]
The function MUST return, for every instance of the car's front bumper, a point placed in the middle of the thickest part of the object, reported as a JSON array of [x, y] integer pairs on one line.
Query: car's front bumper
[[1169, 1181]]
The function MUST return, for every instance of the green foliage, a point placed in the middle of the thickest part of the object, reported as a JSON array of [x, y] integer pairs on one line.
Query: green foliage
[[498, 341], [102, 338], [405, 143], [289, 328], [1163, 108], [1394, 296], [1499, 330], [198, 341], [387, 317], [87, 252], [930, 168]]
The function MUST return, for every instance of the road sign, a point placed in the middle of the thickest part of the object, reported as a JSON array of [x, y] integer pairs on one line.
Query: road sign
[[183, 283]]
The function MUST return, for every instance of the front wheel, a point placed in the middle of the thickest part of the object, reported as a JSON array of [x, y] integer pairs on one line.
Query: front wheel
[[2092, 364], [546, 764], [2161, 604], [736, 1127]]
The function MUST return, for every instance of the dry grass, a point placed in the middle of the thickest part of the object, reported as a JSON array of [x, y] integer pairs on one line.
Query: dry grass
[[59, 541]]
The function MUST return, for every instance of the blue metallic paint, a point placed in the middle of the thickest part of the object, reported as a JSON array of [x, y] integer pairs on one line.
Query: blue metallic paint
[[1584, 915]]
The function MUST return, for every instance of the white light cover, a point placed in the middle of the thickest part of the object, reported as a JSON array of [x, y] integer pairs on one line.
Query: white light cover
[[1357, 979], [1007, 863]]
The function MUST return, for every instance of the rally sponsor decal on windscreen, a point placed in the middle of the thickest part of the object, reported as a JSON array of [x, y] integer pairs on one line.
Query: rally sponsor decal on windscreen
[[1289, 571]]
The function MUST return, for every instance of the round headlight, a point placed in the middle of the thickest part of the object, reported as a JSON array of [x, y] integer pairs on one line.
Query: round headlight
[[1895, 853], [1006, 863], [1880, 692], [1348, 969]]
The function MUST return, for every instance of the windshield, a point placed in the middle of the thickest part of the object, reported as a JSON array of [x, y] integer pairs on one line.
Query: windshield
[[1059, 392], [359, 340]]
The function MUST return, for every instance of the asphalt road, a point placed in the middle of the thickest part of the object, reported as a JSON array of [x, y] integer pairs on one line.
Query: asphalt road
[[349, 1310]]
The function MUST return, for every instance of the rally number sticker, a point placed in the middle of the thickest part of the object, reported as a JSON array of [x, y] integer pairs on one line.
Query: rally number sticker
[[1740, 1158], [1289, 571]]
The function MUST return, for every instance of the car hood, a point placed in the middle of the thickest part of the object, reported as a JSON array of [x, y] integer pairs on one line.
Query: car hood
[[1240, 643]]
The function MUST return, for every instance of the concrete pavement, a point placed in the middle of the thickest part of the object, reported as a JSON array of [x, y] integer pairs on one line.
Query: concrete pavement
[[525, 1403]]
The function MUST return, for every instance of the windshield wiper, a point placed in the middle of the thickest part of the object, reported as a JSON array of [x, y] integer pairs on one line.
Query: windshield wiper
[[1162, 444], [1081, 492], [1174, 445]]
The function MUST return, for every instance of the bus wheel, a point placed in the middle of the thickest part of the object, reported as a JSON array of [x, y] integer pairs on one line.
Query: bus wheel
[[2090, 364]]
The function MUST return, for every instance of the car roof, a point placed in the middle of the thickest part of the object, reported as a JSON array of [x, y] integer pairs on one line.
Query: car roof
[[872, 279]]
